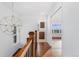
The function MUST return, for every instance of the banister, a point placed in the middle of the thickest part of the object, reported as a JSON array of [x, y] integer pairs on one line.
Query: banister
[[29, 49], [26, 47], [22, 51]]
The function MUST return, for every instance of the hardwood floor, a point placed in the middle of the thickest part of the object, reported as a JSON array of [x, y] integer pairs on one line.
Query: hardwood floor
[[48, 53], [45, 50], [43, 47]]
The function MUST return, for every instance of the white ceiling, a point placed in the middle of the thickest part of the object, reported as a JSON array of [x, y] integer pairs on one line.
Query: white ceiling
[[27, 9], [31, 9]]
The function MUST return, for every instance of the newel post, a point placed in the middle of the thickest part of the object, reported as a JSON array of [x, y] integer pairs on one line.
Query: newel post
[[31, 36]]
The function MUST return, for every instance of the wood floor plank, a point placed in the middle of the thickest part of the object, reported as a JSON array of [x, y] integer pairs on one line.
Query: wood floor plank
[[43, 48]]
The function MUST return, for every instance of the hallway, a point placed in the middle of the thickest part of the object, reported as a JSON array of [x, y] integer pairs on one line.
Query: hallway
[[56, 24], [18, 26]]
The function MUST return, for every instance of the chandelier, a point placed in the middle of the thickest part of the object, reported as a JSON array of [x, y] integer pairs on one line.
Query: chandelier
[[9, 24]]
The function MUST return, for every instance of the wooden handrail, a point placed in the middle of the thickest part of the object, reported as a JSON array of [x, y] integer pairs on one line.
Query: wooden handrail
[[29, 49], [22, 51], [26, 47]]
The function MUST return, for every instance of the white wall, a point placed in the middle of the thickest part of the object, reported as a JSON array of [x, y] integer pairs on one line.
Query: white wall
[[70, 29], [7, 46], [70, 22]]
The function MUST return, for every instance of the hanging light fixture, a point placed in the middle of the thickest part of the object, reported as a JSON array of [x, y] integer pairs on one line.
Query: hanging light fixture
[[9, 24]]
